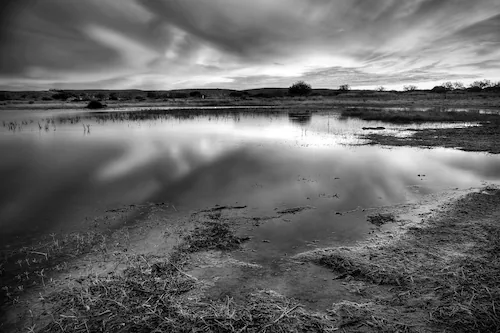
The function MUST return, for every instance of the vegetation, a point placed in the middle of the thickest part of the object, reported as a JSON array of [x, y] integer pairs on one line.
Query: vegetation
[[413, 116], [410, 87], [195, 94], [154, 293], [62, 95], [95, 105], [442, 273], [300, 88], [344, 87]]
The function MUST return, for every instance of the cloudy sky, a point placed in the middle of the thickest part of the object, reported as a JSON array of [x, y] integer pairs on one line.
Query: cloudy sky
[[239, 44]]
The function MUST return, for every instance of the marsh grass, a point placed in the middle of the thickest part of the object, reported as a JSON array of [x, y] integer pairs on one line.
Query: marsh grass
[[445, 270], [33, 266], [155, 294], [415, 116]]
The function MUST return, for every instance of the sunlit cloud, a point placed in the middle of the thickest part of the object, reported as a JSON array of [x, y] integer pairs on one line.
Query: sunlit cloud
[[169, 44]]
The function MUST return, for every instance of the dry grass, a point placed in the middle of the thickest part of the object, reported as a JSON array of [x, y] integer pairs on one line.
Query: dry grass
[[33, 266], [446, 271], [155, 294], [414, 116]]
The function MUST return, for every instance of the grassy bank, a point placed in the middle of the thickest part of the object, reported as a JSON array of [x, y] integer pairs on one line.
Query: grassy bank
[[485, 136], [441, 275], [415, 116], [270, 97], [475, 138], [154, 293]]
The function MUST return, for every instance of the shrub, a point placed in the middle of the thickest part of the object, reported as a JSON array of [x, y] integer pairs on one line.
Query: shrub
[[140, 98], [45, 98], [439, 89], [62, 95], [95, 105], [195, 94], [344, 87], [300, 88], [179, 95]]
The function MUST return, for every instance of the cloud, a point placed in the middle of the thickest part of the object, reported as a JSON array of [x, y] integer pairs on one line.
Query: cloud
[[164, 44]]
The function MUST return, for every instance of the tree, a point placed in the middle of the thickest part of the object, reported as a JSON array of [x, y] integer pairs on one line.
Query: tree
[[381, 88], [458, 85], [448, 85], [410, 87], [300, 88], [481, 84], [344, 87], [478, 86]]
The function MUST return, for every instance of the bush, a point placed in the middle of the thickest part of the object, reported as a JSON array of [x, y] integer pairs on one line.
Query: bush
[[300, 88], [195, 94], [95, 105], [344, 87], [100, 96], [439, 89], [62, 95], [179, 95], [45, 98], [140, 98]]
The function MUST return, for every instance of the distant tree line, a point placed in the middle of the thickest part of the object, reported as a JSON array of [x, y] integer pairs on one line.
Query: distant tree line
[[476, 86]]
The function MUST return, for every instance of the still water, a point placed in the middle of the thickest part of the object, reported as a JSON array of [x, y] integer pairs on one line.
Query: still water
[[60, 167]]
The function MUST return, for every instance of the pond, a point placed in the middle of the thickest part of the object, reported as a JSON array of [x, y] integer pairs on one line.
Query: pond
[[60, 168]]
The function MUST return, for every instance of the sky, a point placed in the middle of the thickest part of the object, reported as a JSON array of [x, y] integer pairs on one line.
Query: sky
[[241, 44]]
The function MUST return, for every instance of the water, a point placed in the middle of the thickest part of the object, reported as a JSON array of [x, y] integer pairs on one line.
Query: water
[[60, 167]]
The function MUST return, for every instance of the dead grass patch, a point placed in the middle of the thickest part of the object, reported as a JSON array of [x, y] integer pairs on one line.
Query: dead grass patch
[[446, 270]]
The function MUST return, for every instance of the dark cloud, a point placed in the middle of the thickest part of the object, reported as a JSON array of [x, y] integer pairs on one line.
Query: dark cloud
[[173, 43]]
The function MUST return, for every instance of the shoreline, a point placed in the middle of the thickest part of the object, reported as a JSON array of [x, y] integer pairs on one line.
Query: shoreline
[[180, 261]]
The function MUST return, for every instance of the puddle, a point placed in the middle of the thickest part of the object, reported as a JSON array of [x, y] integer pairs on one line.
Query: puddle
[[62, 169]]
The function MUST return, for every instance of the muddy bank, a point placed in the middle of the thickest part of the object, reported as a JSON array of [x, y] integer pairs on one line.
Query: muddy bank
[[426, 266], [484, 137], [437, 274]]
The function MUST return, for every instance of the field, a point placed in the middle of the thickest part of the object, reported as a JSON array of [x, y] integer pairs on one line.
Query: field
[[429, 264]]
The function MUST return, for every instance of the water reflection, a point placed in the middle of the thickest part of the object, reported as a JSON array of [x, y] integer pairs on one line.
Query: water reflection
[[301, 118], [52, 180]]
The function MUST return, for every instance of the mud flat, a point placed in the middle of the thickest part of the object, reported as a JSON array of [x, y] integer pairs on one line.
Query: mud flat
[[478, 138], [435, 270], [426, 266], [480, 133]]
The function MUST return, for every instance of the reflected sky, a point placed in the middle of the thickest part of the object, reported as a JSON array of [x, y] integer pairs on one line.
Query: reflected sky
[[55, 176]]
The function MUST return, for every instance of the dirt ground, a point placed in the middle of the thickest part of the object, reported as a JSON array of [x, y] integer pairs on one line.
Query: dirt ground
[[426, 266]]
